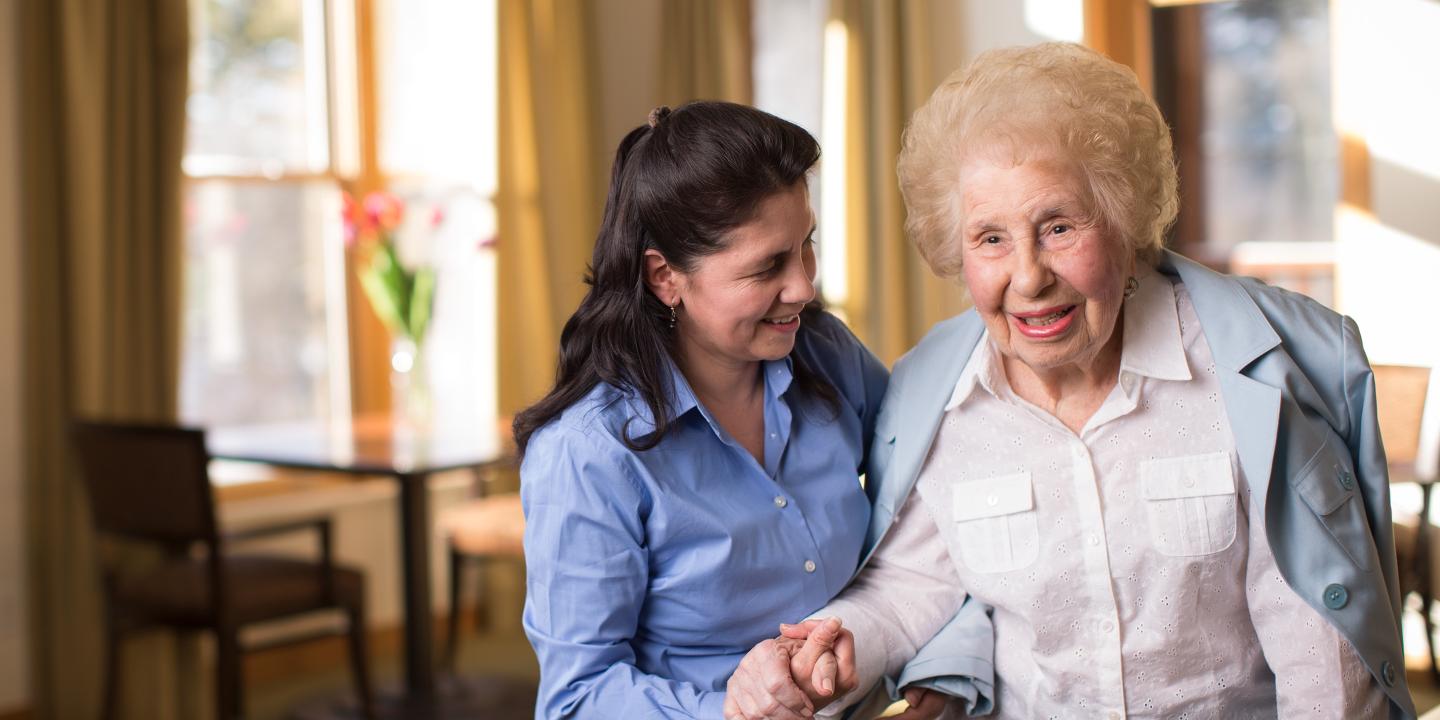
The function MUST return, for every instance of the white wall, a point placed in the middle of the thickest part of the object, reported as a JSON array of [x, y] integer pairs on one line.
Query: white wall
[[14, 640]]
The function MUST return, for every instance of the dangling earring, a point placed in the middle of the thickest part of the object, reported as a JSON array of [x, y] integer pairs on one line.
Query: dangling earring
[[1131, 286], [672, 317]]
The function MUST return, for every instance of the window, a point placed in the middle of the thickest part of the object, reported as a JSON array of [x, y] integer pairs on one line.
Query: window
[[282, 121], [263, 313], [1246, 86]]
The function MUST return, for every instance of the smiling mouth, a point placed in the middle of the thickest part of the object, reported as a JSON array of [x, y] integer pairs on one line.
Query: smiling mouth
[[782, 320], [1043, 320]]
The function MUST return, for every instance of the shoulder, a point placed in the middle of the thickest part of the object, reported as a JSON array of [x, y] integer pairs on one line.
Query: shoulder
[[939, 347], [825, 340], [584, 444], [829, 349], [1295, 317]]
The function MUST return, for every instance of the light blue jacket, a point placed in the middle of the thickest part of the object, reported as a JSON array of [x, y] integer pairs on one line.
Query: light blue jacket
[[1301, 400]]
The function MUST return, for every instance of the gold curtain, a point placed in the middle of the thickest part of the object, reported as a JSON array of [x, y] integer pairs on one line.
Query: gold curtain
[[102, 117], [892, 298], [705, 51], [551, 186]]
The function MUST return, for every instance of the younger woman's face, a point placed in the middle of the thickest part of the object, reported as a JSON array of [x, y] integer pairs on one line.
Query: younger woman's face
[[742, 304]]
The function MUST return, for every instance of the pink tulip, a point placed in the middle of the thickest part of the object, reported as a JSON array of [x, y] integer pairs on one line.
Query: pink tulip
[[383, 210]]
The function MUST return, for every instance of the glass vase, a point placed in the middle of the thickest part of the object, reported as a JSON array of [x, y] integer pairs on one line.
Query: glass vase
[[410, 399]]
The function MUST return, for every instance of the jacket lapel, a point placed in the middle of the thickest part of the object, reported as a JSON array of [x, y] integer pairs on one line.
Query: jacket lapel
[[1238, 334], [931, 371]]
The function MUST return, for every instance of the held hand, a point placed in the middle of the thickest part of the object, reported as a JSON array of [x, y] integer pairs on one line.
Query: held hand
[[761, 687], [825, 666], [924, 704]]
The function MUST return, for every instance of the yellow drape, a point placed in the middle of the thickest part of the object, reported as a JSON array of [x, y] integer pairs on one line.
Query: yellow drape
[[551, 189], [705, 51], [104, 86], [892, 297]]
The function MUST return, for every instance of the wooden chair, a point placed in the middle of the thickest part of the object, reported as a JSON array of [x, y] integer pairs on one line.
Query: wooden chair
[[1408, 400], [485, 530], [151, 484]]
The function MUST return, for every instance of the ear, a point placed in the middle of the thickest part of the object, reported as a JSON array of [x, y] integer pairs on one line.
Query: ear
[[662, 278]]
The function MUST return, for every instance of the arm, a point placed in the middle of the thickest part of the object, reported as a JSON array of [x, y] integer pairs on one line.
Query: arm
[[587, 574], [1317, 672], [903, 597]]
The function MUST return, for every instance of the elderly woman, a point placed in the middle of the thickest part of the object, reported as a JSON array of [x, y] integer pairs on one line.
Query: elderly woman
[[693, 478], [1167, 482]]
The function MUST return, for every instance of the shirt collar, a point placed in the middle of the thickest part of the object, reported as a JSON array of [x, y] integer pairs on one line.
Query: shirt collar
[[779, 374], [1152, 345], [980, 371]]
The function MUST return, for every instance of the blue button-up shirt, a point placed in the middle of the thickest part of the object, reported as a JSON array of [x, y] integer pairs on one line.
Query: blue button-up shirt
[[650, 574]]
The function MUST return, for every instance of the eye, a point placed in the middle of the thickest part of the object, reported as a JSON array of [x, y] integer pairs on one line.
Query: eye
[[991, 240], [1060, 229]]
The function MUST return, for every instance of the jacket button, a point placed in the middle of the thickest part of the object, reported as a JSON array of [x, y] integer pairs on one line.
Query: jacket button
[[1347, 480], [1336, 596], [1387, 673]]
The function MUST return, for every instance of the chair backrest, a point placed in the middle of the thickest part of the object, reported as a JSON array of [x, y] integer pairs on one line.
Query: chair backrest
[[147, 482], [1408, 400]]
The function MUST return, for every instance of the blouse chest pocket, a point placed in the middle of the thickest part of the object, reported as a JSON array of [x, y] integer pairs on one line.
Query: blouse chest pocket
[[1191, 503], [995, 523]]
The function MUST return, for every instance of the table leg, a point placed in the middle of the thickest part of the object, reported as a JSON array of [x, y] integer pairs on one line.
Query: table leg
[[415, 559]]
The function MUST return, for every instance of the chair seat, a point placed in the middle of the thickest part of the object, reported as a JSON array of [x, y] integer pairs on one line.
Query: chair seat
[[259, 587], [491, 525]]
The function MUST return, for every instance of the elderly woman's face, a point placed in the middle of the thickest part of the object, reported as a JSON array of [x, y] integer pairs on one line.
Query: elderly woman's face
[[1048, 281]]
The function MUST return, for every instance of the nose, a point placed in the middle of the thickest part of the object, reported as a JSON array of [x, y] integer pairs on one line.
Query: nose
[[799, 287], [1032, 274]]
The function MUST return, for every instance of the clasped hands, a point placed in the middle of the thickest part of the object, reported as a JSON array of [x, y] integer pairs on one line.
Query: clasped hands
[[806, 668]]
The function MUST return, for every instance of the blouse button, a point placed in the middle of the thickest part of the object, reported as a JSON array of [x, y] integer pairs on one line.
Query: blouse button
[[1094, 539], [780, 501], [1387, 673], [809, 566]]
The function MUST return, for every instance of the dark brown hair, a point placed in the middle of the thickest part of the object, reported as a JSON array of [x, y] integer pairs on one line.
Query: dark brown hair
[[680, 184]]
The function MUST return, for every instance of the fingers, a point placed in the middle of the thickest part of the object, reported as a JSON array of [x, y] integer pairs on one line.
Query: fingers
[[822, 678], [924, 705], [767, 689], [821, 639], [799, 631], [847, 677]]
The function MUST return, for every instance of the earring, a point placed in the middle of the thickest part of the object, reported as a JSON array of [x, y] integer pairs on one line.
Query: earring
[[672, 317], [1131, 286]]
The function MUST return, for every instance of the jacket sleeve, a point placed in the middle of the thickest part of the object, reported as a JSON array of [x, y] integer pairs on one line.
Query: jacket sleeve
[[1362, 436], [959, 661]]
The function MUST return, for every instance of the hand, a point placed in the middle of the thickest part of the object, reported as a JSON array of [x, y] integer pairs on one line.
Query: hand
[[761, 686], [825, 667], [793, 675], [924, 704]]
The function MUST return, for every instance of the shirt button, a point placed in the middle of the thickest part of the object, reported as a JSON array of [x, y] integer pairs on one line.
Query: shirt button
[[780, 501], [1107, 626], [1336, 596], [774, 435], [992, 500], [1094, 539], [809, 566], [1114, 715], [1387, 673]]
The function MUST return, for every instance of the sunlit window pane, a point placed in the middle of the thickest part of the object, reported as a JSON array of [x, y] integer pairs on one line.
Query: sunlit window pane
[[255, 310], [257, 101]]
